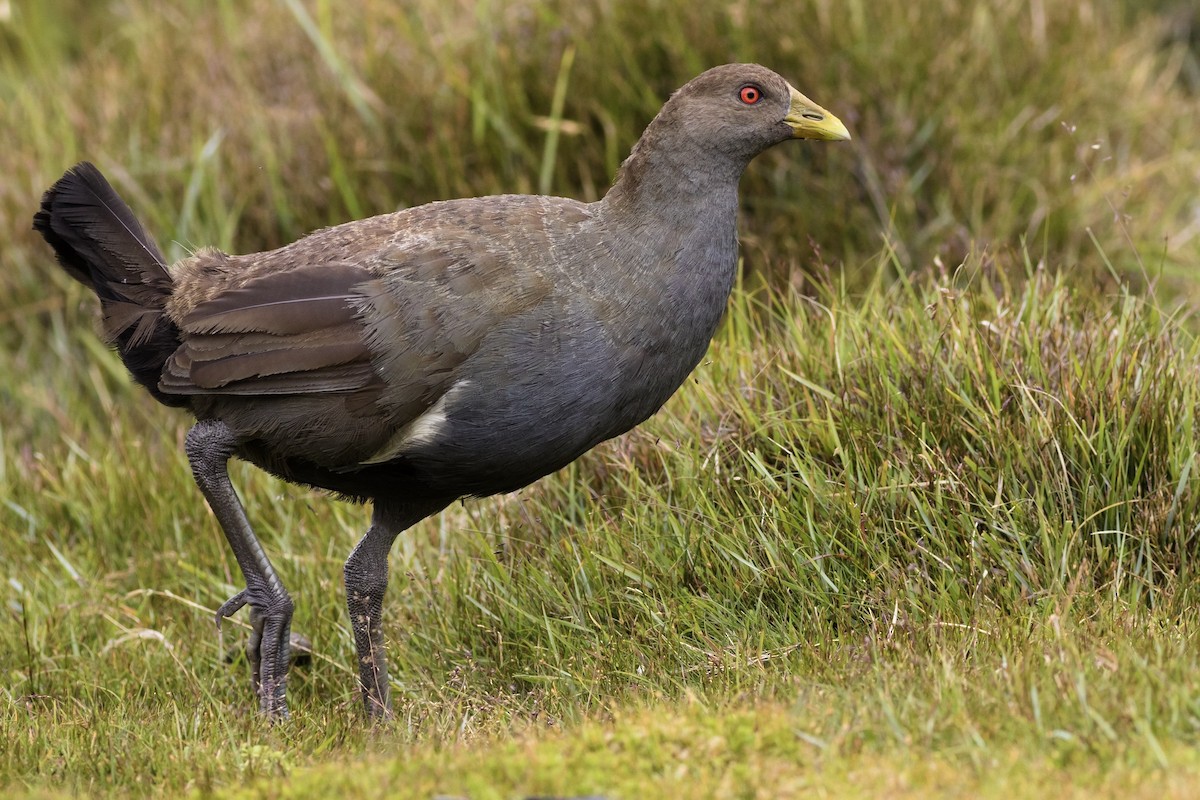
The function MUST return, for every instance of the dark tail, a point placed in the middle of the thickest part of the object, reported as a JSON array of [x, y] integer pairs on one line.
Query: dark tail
[[100, 243]]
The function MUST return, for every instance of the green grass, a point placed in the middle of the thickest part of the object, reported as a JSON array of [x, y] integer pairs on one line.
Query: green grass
[[921, 525]]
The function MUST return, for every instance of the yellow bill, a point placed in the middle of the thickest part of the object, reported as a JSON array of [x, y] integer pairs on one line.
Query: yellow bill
[[809, 121]]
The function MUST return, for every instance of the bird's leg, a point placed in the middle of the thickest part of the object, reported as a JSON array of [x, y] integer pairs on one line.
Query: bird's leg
[[366, 574], [210, 445]]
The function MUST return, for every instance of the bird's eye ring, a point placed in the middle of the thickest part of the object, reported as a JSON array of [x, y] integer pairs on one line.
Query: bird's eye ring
[[750, 94]]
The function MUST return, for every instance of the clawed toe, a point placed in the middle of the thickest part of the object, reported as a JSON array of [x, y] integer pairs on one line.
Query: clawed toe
[[231, 607]]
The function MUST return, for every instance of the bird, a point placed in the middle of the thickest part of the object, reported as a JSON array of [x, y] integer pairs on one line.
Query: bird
[[461, 348]]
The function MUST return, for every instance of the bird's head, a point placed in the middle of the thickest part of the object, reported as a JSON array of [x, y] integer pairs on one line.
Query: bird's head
[[742, 109]]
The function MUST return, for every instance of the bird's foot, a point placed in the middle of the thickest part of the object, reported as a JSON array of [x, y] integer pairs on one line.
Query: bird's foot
[[268, 650]]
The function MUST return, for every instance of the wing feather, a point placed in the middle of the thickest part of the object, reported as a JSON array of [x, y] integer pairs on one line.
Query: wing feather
[[291, 332]]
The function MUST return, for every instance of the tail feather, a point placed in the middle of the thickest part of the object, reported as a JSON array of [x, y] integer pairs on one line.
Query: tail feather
[[100, 243]]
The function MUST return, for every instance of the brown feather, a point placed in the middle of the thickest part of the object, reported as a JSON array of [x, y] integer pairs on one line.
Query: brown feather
[[353, 380], [303, 299], [215, 374], [280, 333]]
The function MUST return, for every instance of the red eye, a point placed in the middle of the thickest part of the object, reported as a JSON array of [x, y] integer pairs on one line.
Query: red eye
[[750, 95]]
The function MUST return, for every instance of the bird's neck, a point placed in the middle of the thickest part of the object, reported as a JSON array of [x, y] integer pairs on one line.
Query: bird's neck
[[674, 227], [679, 210], [673, 185]]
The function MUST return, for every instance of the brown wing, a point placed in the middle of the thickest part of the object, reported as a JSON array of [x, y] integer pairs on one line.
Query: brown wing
[[390, 341], [292, 332], [391, 330]]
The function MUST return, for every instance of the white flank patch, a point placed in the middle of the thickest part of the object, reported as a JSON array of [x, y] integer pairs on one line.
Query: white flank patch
[[422, 430]]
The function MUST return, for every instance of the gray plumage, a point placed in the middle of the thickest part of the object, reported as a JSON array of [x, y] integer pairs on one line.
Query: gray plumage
[[459, 348]]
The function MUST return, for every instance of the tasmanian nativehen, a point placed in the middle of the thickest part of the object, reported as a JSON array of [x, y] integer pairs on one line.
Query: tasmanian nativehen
[[461, 348]]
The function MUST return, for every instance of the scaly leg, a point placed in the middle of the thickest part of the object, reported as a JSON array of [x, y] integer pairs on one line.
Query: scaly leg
[[210, 445], [366, 575]]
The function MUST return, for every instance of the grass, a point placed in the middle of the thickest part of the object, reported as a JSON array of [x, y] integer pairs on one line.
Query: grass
[[921, 525]]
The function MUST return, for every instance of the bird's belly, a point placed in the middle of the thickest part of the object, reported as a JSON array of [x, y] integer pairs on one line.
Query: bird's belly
[[506, 431], [485, 449], [482, 447]]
